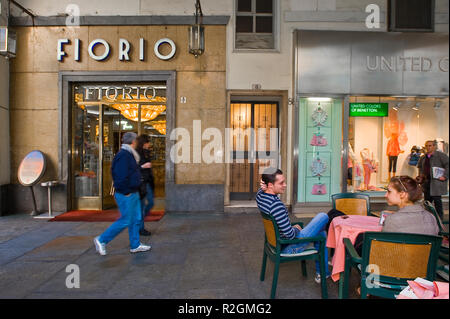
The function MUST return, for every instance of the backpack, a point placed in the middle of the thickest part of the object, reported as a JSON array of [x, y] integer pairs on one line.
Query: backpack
[[413, 159]]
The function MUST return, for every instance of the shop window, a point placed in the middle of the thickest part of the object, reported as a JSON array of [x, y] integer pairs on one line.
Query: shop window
[[387, 133], [411, 15], [319, 155], [255, 24]]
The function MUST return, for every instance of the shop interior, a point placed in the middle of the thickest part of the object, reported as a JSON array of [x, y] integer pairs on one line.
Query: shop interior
[[383, 147], [111, 118]]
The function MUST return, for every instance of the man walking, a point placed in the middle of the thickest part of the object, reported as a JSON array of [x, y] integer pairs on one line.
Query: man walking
[[434, 184], [127, 179]]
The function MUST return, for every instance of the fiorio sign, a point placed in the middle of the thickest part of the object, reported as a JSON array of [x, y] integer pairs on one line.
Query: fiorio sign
[[124, 49], [404, 63], [96, 93]]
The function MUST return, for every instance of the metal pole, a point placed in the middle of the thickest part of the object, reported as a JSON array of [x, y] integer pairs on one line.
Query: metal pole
[[35, 211], [49, 201]]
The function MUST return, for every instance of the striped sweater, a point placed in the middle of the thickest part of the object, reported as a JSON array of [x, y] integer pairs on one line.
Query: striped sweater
[[272, 205]]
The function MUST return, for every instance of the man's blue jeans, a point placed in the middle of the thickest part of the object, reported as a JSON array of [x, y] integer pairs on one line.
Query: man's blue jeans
[[316, 227], [130, 217], [146, 204]]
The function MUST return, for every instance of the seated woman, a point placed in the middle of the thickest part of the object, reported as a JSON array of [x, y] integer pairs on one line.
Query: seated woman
[[405, 193], [412, 217]]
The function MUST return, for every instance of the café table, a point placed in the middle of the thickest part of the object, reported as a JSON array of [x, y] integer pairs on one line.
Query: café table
[[347, 227]]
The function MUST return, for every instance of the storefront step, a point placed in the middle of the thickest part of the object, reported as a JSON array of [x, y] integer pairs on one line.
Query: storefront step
[[241, 206]]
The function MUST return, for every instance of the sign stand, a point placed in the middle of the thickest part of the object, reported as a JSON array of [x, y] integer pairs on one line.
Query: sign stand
[[31, 170], [49, 186], [35, 211]]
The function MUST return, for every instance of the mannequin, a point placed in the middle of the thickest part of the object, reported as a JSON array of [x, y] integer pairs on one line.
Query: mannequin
[[368, 166], [394, 130]]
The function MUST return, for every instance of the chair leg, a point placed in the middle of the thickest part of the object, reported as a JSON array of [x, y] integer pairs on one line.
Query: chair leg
[[343, 281], [275, 279], [263, 267], [363, 289], [323, 273], [305, 274]]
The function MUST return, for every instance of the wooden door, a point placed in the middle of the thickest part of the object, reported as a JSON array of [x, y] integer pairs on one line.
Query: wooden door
[[254, 146]]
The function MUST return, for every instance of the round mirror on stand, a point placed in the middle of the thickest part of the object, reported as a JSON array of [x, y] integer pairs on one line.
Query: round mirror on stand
[[31, 170]]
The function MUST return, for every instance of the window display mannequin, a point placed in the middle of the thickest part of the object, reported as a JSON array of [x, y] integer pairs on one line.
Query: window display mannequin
[[394, 130], [369, 166]]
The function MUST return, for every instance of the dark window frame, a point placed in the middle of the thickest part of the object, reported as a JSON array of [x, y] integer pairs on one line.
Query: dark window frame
[[392, 21], [254, 33]]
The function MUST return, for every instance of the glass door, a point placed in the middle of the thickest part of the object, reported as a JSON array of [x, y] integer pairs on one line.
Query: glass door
[[254, 146], [85, 156]]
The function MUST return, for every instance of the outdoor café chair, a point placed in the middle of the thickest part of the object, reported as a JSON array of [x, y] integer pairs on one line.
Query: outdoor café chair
[[351, 203], [272, 249], [441, 270], [388, 260]]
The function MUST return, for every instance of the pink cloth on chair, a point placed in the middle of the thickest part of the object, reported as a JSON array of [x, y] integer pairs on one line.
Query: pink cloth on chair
[[438, 290], [350, 227]]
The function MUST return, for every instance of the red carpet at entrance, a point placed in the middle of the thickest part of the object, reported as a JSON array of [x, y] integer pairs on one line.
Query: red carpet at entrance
[[100, 216]]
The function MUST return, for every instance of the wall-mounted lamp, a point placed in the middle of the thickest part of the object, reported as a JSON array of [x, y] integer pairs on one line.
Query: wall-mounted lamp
[[416, 106], [197, 32]]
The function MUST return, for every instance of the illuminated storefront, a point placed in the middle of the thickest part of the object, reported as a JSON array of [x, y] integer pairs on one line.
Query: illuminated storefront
[[75, 91], [366, 102]]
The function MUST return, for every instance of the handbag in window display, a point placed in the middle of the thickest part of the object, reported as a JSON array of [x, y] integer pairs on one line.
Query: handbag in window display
[[318, 140], [319, 189]]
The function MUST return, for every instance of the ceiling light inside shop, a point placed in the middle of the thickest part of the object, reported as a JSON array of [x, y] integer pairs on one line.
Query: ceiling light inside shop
[[416, 106], [397, 106], [437, 105], [319, 99]]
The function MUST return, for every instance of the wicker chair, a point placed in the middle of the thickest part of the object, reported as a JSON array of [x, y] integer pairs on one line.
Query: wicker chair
[[389, 260], [351, 203], [441, 270], [272, 249]]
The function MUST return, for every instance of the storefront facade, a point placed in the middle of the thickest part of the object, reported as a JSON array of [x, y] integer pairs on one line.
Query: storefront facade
[[72, 85], [365, 99]]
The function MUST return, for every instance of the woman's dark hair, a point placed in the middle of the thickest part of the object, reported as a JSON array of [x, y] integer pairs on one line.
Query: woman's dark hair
[[409, 185], [270, 175], [141, 140]]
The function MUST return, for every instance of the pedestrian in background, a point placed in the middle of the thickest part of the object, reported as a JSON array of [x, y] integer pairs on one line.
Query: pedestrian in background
[[147, 188], [433, 175], [126, 176]]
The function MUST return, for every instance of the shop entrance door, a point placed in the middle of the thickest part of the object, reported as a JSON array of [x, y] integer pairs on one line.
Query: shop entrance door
[[254, 146], [96, 134]]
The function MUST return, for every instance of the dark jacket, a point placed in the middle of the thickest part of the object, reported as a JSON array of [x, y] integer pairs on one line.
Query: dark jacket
[[125, 173], [438, 159], [147, 173]]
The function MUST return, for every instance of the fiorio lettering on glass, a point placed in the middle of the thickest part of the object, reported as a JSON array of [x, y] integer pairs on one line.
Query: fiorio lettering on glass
[[96, 93], [124, 47], [407, 64]]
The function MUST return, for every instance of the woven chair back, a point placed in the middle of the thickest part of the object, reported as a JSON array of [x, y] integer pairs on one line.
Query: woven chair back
[[400, 260], [352, 206], [270, 232]]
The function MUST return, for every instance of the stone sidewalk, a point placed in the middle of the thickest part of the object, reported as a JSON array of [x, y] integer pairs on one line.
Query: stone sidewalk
[[194, 255]]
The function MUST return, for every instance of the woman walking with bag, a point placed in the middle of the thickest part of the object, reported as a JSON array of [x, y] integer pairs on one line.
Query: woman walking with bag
[[147, 187]]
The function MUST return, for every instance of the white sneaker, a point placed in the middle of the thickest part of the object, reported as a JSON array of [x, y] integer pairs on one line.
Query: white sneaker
[[140, 248], [317, 278], [100, 247]]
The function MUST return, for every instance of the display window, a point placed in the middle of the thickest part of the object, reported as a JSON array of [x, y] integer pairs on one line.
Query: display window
[[319, 148], [387, 136]]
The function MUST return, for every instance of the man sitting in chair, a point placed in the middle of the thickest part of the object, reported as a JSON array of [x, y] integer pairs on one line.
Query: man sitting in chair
[[273, 183]]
